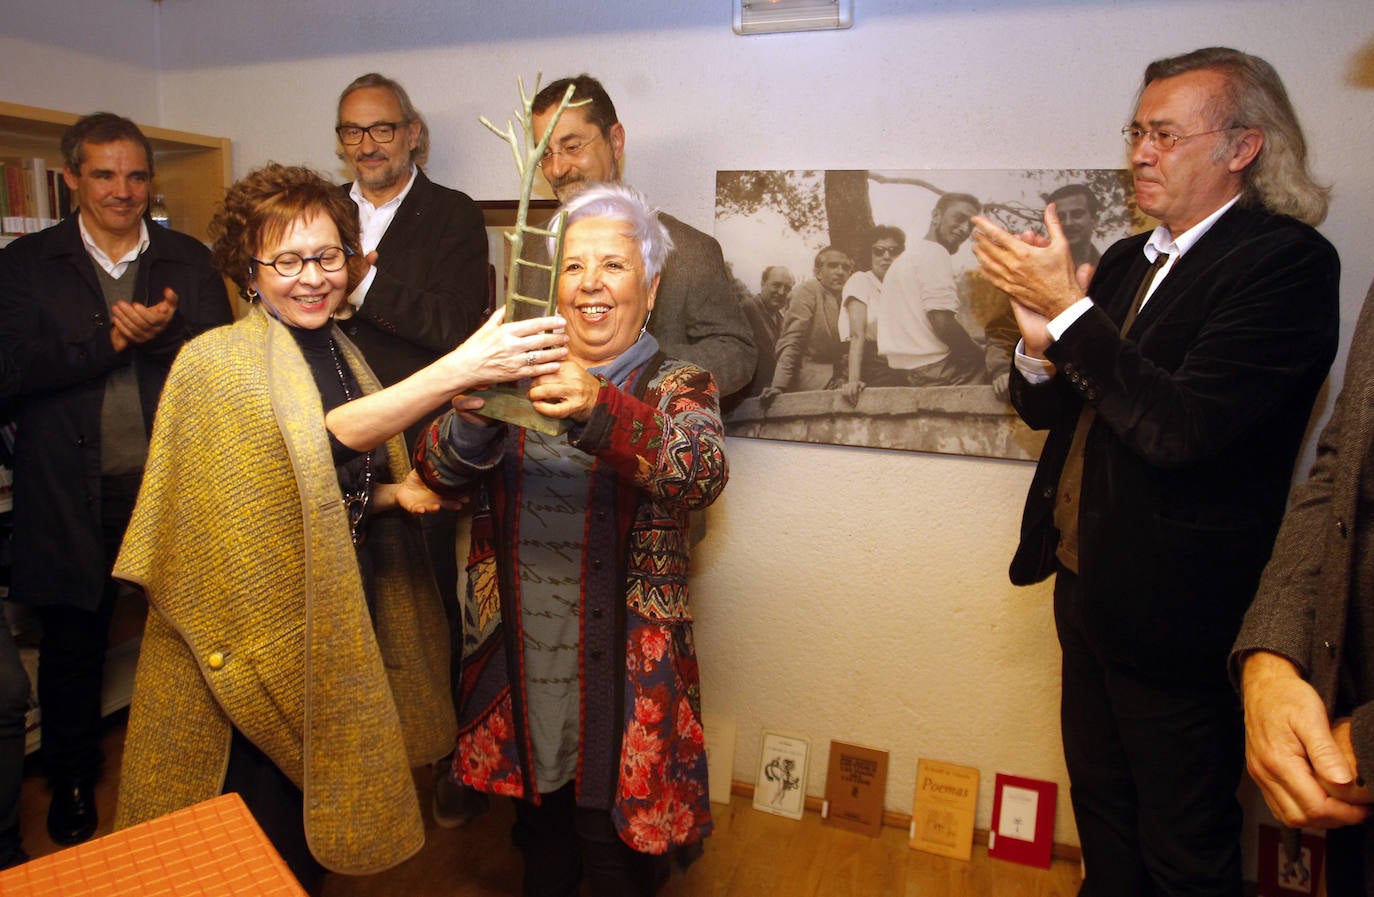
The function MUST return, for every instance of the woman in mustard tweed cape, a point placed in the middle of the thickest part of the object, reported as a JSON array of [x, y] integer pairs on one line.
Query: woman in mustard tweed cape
[[293, 622]]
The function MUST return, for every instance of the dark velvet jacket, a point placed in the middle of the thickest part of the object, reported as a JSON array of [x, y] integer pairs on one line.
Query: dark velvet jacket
[[432, 286], [1200, 412], [55, 324]]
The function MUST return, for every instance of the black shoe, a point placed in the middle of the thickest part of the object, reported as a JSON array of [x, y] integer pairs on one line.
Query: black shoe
[[71, 814]]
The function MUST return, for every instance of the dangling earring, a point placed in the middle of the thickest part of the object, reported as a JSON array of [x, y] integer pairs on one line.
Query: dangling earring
[[645, 329], [251, 294]]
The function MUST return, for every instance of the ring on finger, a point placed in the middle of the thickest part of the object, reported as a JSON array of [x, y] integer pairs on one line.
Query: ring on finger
[[532, 358]]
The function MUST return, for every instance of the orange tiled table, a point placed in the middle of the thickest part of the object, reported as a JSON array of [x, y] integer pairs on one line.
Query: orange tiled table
[[214, 847]]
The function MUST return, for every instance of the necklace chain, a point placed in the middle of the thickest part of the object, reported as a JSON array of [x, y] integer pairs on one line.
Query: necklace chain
[[356, 501]]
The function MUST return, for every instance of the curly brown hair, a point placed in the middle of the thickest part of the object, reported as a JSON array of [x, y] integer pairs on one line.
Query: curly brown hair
[[264, 203]]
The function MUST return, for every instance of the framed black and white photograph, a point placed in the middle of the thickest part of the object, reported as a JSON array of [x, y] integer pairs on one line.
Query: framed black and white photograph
[[819, 257]]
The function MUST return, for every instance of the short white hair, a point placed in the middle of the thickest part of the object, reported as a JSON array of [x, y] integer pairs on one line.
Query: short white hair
[[627, 205]]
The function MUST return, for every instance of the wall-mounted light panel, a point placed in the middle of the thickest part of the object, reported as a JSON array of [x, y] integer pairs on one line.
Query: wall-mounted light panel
[[762, 16]]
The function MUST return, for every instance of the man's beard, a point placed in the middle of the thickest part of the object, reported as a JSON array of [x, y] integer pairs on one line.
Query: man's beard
[[569, 185]]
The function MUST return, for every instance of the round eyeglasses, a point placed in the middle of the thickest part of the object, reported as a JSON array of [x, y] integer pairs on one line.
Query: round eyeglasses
[[381, 132], [570, 151], [1164, 140], [291, 264]]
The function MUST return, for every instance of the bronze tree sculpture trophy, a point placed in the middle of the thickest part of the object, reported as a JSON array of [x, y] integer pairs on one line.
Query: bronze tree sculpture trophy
[[528, 276]]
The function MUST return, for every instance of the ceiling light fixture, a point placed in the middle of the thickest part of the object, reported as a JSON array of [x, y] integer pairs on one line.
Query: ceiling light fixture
[[763, 16]]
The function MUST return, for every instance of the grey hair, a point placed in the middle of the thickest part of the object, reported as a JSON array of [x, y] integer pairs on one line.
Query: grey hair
[[627, 205], [419, 155], [1279, 179]]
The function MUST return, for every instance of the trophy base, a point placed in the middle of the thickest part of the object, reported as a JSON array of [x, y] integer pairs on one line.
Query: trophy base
[[514, 408]]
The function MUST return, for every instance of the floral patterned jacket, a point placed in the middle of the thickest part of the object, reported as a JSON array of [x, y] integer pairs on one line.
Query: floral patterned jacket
[[659, 453]]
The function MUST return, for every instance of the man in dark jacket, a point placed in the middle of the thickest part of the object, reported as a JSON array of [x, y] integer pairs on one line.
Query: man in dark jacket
[[93, 311], [697, 316], [425, 290], [1176, 386]]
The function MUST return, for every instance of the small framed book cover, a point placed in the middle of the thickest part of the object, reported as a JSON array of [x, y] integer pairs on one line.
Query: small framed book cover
[[855, 788], [1023, 820], [780, 788], [944, 807], [1283, 876]]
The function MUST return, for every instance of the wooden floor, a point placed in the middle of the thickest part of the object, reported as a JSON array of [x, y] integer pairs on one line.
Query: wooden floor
[[751, 854]]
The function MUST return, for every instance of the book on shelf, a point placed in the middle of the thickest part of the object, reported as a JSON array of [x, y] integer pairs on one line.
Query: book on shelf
[[35, 194], [30, 195], [14, 197]]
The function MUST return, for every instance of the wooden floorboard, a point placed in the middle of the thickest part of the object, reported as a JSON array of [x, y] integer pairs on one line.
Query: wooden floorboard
[[751, 854]]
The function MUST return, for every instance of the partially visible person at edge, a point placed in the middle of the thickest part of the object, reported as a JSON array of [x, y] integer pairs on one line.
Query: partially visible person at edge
[[1176, 385], [14, 679], [290, 642], [598, 736], [1303, 658]]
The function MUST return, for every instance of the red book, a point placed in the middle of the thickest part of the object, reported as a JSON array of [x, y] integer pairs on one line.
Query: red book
[[1281, 875], [1023, 821]]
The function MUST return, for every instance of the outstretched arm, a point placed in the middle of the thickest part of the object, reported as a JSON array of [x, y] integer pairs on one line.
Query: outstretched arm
[[496, 353]]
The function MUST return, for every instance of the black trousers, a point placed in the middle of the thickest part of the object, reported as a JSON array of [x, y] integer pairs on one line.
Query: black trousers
[[14, 704], [1153, 768], [560, 842], [276, 804], [71, 654], [440, 531], [1347, 861]]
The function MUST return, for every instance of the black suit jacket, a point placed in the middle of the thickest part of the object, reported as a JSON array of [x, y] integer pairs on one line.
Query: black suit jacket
[[55, 325], [432, 287], [1200, 412], [697, 317]]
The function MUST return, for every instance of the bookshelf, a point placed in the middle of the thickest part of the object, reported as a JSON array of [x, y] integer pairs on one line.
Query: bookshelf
[[192, 170]]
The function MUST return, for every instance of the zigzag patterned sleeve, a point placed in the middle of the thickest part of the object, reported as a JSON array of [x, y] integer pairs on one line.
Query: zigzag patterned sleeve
[[675, 449], [451, 455]]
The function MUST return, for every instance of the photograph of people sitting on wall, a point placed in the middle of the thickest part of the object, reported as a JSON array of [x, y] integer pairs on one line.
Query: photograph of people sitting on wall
[[872, 324]]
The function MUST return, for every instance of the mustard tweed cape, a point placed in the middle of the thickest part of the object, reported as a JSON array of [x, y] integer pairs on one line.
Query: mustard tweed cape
[[257, 617]]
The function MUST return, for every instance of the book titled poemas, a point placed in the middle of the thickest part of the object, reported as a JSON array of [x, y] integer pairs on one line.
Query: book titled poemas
[[942, 813]]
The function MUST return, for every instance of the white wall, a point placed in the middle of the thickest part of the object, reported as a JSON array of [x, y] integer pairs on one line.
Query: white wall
[[842, 593]]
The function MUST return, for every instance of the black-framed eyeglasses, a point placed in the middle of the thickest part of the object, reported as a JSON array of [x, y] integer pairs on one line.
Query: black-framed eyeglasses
[[381, 132], [290, 264], [570, 151], [1164, 140], [885, 251]]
